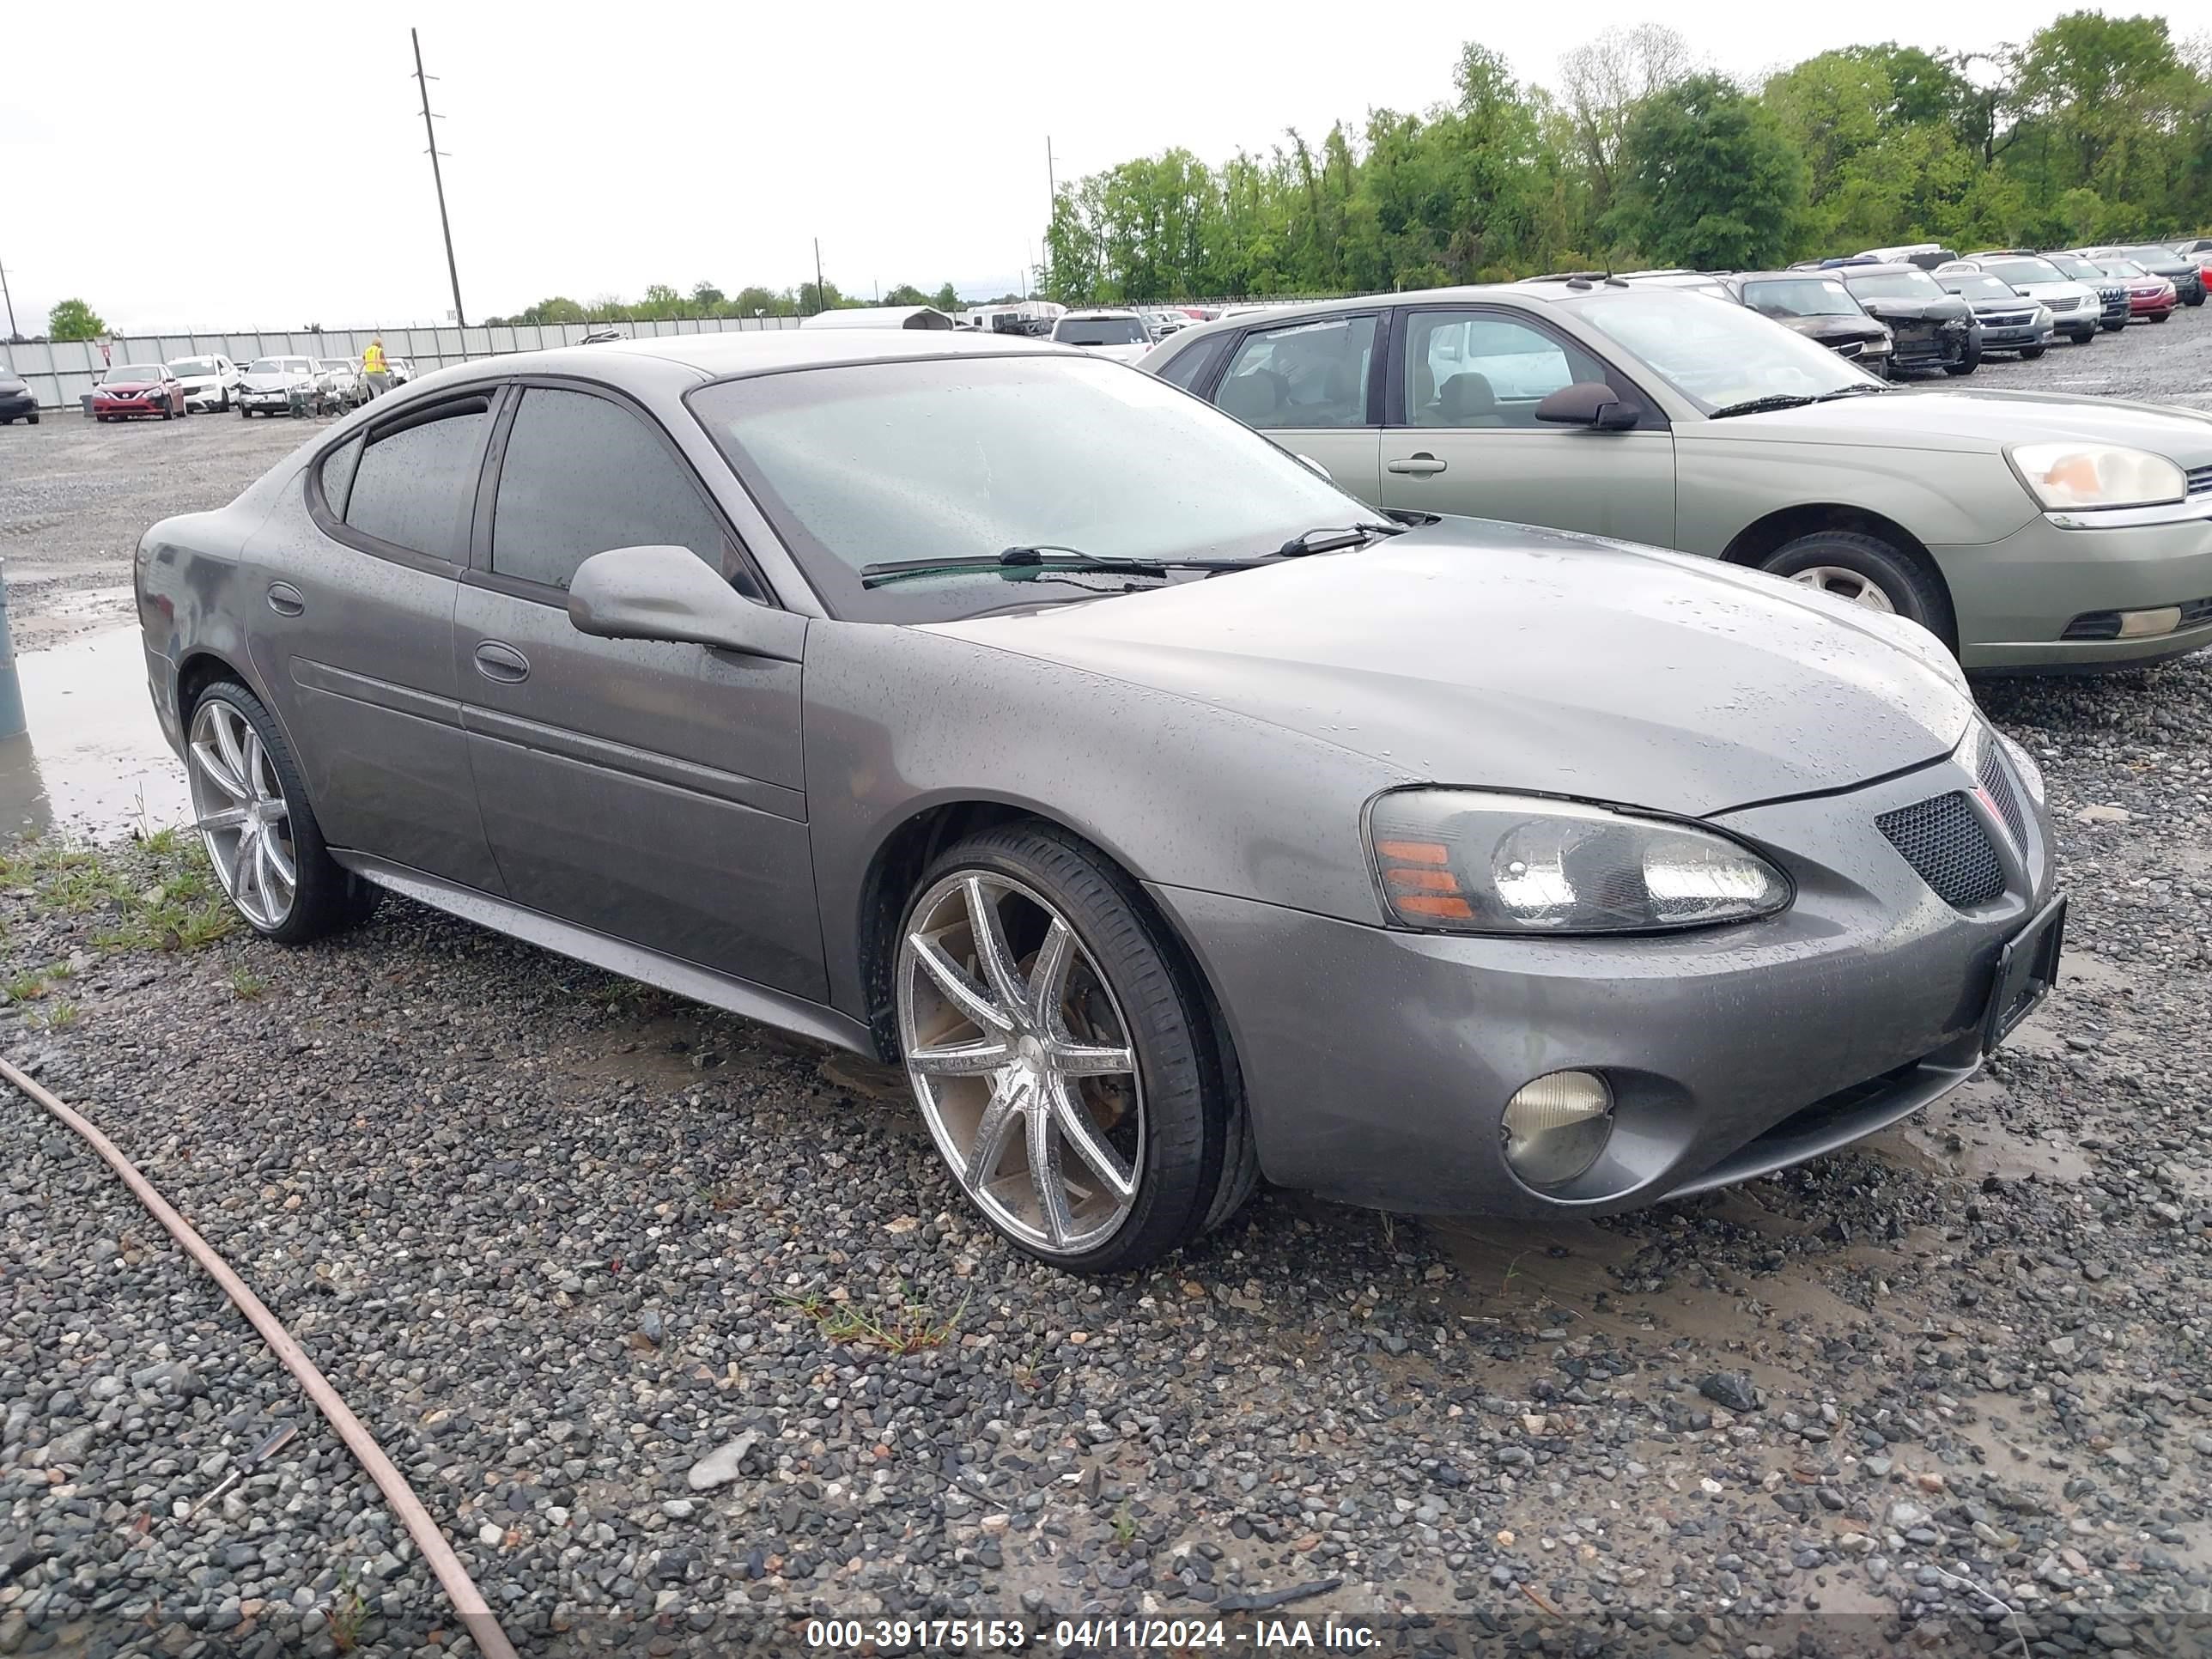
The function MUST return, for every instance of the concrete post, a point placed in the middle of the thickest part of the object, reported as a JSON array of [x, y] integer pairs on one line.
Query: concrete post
[[11, 690]]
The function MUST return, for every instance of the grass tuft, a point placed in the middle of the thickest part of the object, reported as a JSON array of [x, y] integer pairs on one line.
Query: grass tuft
[[908, 1328]]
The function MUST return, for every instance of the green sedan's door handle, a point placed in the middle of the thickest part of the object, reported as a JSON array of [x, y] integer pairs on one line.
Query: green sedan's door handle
[[1420, 465]]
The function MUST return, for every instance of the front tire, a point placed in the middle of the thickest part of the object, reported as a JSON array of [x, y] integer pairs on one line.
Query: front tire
[[1063, 1056], [1868, 571], [2029, 354], [2160, 317], [1967, 364], [260, 832]]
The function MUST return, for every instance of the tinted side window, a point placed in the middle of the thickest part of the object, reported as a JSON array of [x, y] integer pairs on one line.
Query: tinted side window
[[1306, 375], [338, 475], [582, 475], [417, 486], [1188, 367], [1483, 369]]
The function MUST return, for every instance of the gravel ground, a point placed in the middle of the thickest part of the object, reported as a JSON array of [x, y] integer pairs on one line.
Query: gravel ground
[[75, 495], [682, 1333]]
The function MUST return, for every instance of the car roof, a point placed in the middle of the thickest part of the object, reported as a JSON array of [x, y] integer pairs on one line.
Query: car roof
[[1876, 270], [751, 351], [1094, 314], [1793, 275]]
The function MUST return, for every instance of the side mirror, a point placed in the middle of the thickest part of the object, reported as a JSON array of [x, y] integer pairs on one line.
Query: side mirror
[[669, 595], [1587, 403], [1317, 467]]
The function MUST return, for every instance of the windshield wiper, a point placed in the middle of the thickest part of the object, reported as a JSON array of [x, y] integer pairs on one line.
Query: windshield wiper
[[1852, 392], [1031, 564], [1329, 538], [1759, 406]]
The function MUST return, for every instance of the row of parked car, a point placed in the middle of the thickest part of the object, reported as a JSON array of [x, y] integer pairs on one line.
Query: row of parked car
[[1924, 307], [215, 385]]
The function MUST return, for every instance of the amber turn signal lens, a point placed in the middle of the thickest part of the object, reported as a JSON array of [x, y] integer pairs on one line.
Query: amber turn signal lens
[[1419, 876]]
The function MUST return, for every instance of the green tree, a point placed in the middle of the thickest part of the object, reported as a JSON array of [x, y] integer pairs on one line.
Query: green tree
[[946, 298], [559, 308], [1707, 178], [707, 299], [827, 297], [73, 319], [906, 294]]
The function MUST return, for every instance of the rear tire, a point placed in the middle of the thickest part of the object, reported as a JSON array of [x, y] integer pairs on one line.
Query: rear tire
[[326, 898], [1179, 1134], [1909, 587]]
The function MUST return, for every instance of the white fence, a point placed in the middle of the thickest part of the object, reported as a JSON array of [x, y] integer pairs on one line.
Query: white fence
[[61, 373]]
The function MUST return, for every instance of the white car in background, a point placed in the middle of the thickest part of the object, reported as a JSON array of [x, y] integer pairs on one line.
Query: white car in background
[[342, 382], [1120, 335], [280, 386], [209, 383]]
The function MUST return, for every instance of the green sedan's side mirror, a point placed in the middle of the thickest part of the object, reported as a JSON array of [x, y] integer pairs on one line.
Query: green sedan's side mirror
[[1587, 403]]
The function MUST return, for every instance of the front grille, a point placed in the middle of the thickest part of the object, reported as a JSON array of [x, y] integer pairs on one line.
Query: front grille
[[1944, 840], [1997, 784], [2008, 320], [2065, 304], [2200, 480]]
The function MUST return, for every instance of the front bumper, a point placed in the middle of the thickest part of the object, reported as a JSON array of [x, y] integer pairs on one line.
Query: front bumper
[[15, 408], [2150, 305], [203, 397], [2014, 339], [129, 405], [2021, 593], [1377, 1062], [283, 399]]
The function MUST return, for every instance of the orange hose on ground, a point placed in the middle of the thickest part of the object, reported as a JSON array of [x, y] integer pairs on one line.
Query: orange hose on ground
[[468, 1601]]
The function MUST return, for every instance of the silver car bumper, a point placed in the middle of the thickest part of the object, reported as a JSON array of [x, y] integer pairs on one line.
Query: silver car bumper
[[2041, 596], [1377, 1062]]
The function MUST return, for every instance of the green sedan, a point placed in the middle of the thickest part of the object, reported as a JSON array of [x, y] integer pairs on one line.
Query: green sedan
[[2027, 530]]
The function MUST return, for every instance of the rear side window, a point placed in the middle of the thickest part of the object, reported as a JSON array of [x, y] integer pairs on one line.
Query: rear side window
[[1188, 366], [582, 475], [338, 475], [1306, 375], [415, 487]]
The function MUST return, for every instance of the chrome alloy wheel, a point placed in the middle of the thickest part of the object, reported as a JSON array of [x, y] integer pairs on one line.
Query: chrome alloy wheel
[[242, 816], [1848, 585], [1022, 1062]]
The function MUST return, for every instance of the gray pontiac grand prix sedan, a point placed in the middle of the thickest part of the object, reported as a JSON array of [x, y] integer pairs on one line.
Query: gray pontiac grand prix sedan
[[2027, 530], [1171, 818]]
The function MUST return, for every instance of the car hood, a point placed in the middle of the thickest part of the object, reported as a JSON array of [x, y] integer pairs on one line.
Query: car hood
[[1824, 328], [2068, 290], [1120, 354], [1985, 419], [12, 384], [1500, 655], [1948, 308]]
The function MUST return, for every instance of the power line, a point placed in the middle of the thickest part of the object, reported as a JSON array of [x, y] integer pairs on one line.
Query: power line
[[437, 178]]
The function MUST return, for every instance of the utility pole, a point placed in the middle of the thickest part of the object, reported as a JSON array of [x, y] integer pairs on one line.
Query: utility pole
[[437, 178], [11, 302], [1051, 179], [821, 299]]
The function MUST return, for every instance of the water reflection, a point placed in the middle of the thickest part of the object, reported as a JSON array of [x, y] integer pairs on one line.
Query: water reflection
[[94, 760]]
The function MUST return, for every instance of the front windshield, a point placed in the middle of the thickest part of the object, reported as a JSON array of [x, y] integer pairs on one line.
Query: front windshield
[[1895, 285], [2127, 268], [329, 364], [2075, 267], [2151, 256], [1101, 332], [1718, 355], [1810, 297], [196, 366], [1973, 285], [962, 457], [123, 371], [2017, 271]]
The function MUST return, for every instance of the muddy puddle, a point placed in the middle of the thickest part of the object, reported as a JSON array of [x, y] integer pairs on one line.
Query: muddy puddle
[[94, 760]]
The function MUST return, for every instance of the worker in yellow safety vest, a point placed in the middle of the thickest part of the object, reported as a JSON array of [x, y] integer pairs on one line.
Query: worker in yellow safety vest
[[375, 369]]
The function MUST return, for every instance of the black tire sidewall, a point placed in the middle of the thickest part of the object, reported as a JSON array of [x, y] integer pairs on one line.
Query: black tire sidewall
[[1914, 592], [1185, 1104]]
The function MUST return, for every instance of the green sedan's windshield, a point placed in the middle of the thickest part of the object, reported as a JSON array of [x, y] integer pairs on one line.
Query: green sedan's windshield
[[958, 459], [1717, 356]]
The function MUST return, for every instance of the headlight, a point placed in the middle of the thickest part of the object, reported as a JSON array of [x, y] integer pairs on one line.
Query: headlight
[[1466, 861], [2096, 475]]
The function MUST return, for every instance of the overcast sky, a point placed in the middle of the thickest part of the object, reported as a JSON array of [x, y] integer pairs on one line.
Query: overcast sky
[[227, 165]]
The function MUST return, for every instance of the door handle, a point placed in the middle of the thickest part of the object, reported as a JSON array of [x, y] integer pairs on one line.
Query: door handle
[[503, 663], [1419, 465], [285, 599]]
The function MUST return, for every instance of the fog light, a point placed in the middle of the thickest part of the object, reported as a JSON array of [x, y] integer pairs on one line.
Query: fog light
[[1555, 1127], [2149, 624]]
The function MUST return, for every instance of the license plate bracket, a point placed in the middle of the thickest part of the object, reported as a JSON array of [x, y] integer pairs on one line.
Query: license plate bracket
[[2027, 968]]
